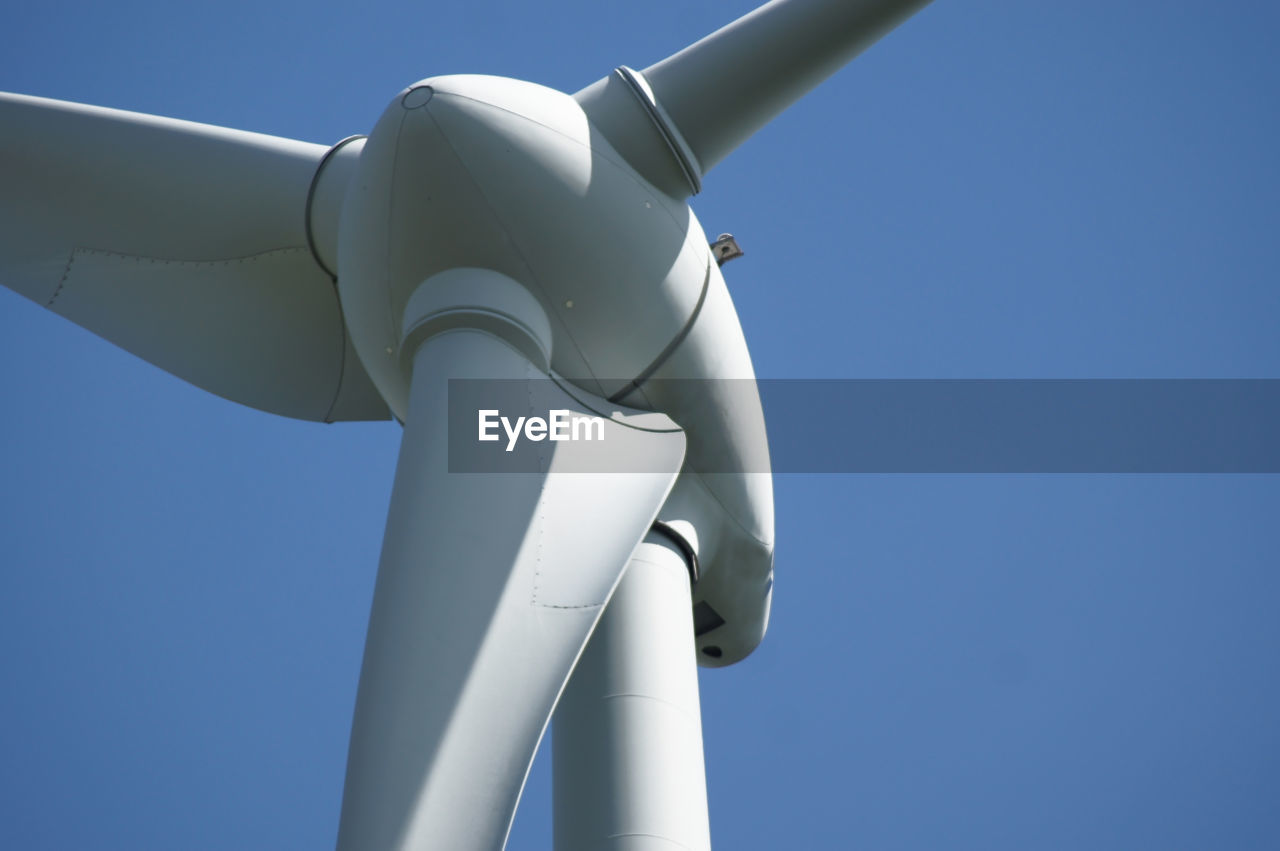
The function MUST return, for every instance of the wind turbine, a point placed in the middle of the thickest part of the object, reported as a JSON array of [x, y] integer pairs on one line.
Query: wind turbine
[[485, 229]]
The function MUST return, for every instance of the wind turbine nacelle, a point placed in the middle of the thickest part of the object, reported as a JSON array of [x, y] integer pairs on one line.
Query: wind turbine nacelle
[[498, 174]]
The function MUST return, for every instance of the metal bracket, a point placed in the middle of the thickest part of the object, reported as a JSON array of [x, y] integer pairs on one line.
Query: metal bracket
[[726, 248]]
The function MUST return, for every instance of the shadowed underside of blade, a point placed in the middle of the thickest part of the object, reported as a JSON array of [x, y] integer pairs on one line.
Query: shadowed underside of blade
[[182, 243]]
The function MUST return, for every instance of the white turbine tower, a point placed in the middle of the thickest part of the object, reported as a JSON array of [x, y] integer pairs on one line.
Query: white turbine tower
[[486, 229]]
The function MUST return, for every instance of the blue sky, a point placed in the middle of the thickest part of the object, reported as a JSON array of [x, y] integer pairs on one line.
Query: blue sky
[[998, 189]]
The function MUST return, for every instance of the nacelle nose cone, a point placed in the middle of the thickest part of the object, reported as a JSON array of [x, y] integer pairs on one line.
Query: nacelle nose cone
[[412, 211], [495, 173]]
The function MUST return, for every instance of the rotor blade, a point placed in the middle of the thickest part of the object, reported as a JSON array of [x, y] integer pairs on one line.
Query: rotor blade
[[185, 244], [488, 588], [719, 91]]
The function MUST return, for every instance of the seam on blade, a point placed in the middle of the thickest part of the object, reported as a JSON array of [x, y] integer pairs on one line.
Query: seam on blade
[[210, 263], [62, 282]]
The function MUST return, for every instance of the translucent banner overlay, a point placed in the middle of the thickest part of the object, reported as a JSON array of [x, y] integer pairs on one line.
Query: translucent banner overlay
[[888, 426]]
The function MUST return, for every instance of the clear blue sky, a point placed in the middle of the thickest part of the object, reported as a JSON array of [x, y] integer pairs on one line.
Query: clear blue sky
[[999, 189]]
